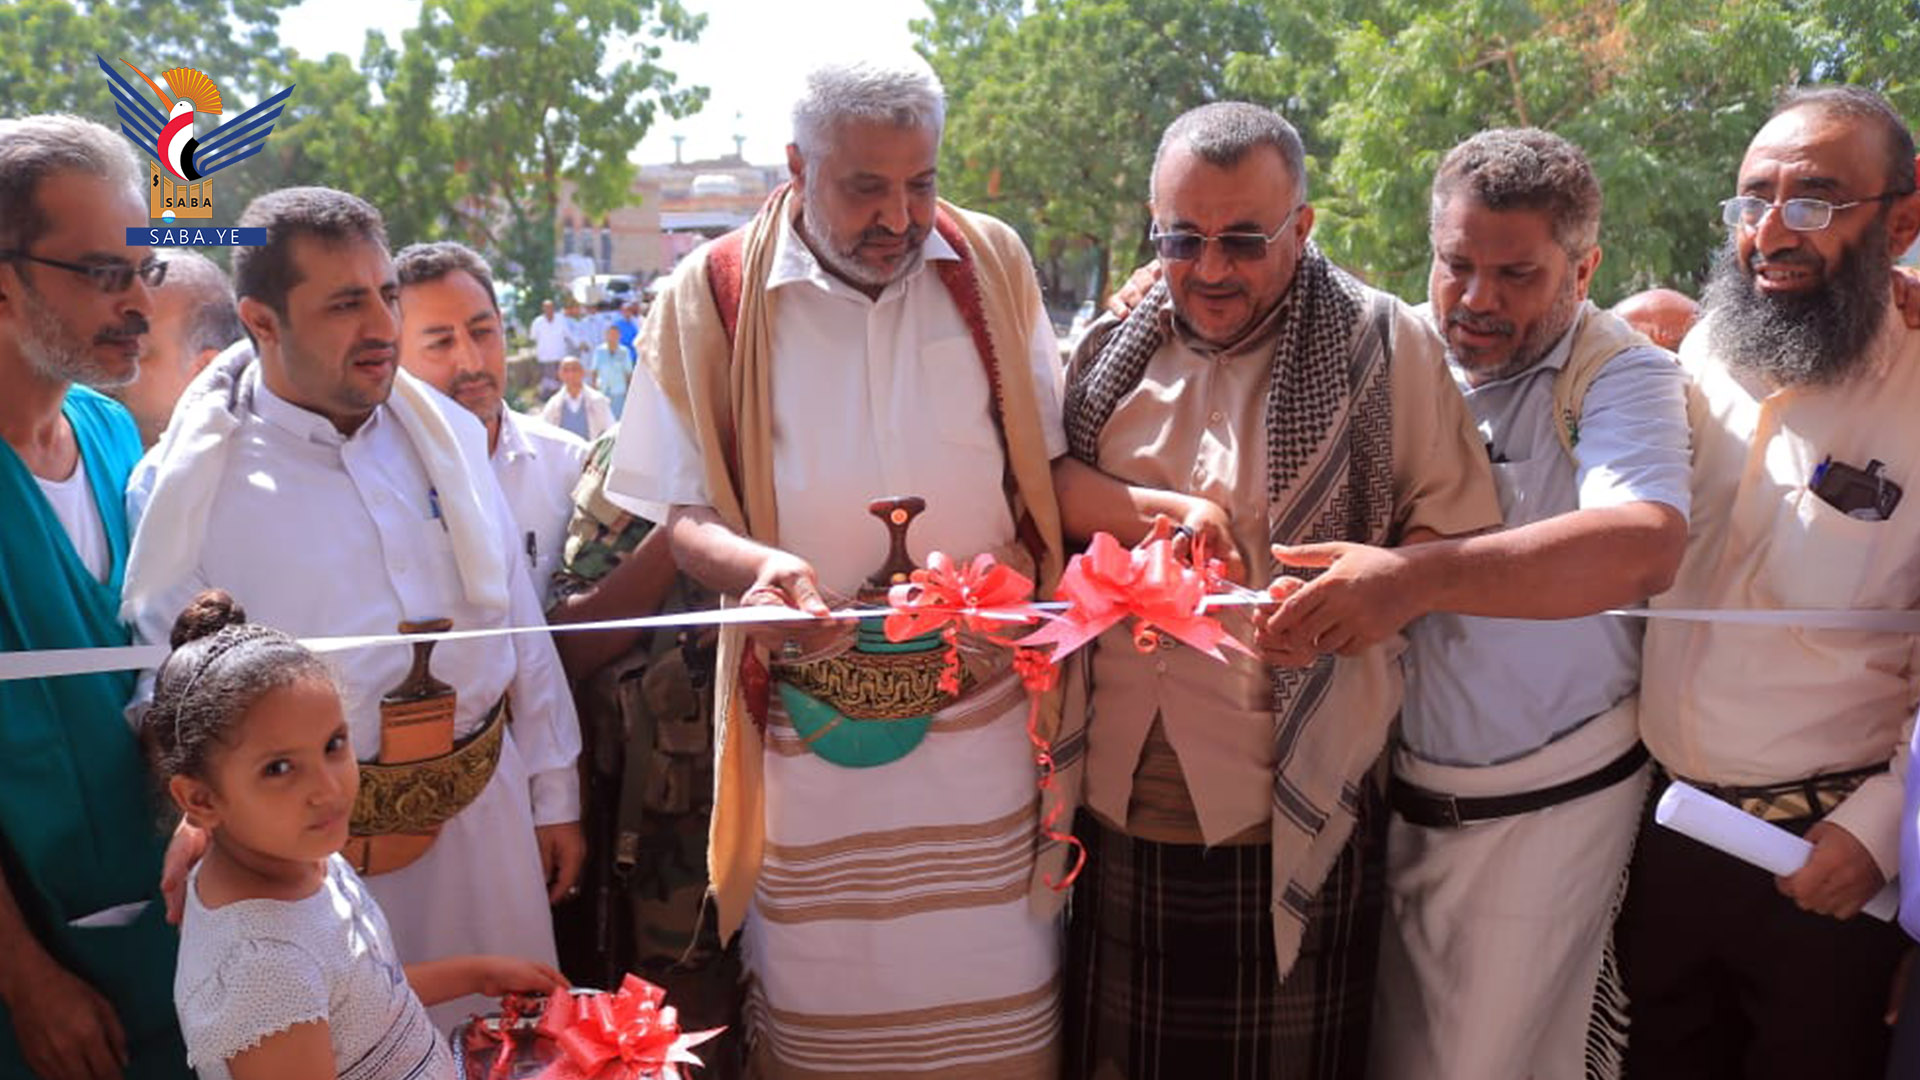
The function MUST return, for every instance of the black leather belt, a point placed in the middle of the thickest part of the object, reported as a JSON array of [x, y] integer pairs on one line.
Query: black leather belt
[[1434, 810]]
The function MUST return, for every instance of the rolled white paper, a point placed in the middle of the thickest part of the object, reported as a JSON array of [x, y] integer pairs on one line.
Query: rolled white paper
[[1724, 827]]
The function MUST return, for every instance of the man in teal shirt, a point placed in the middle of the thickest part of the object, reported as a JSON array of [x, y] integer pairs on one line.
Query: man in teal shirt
[[86, 984]]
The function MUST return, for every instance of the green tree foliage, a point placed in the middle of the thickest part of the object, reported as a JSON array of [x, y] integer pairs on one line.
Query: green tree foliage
[[467, 129], [48, 51], [47, 47], [1662, 94], [1055, 108], [532, 96], [1056, 105]]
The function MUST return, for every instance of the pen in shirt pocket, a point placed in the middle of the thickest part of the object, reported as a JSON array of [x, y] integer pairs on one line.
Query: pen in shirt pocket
[[433, 507], [533, 550]]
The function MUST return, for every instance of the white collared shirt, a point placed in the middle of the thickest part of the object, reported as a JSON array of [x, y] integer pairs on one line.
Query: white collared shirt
[[538, 465], [1751, 705], [319, 533], [551, 337], [871, 397]]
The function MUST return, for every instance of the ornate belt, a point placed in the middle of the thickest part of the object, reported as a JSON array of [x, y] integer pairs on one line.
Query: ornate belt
[[1793, 801], [876, 679], [872, 704], [401, 807]]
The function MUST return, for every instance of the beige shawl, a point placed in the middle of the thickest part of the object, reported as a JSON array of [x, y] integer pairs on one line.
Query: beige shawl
[[723, 396]]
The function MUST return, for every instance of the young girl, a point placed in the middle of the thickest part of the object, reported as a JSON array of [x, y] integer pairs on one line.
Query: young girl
[[287, 970]]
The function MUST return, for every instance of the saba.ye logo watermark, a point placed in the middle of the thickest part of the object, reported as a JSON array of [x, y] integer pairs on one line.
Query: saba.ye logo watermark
[[181, 166]]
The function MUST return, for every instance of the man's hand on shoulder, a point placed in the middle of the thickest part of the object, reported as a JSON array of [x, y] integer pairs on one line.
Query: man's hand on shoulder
[[1839, 878], [1138, 284], [1906, 294]]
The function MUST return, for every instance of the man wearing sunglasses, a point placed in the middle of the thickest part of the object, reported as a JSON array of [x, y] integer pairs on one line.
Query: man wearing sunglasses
[[86, 984], [1806, 383], [1258, 395]]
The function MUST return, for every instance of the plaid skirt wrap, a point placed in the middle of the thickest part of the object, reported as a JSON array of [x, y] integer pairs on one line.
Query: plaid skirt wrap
[[1329, 476], [1171, 969]]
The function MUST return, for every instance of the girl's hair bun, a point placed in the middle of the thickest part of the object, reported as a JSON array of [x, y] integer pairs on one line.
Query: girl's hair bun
[[209, 613]]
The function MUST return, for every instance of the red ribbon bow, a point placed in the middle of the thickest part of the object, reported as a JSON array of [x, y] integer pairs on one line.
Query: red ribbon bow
[[948, 597], [1038, 673], [1110, 583], [626, 1035], [1102, 587]]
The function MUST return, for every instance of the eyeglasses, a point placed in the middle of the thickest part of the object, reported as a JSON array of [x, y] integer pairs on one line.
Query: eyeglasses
[[1800, 215], [109, 277], [1180, 245]]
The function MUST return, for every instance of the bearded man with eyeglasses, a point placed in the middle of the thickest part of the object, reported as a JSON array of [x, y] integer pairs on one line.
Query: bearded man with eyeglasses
[[1805, 386], [1228, 919], [86, 986]]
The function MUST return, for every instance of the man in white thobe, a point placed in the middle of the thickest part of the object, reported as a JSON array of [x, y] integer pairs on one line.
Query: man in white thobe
[[332, 495], [552, 334], [452, 339], [890, 923]]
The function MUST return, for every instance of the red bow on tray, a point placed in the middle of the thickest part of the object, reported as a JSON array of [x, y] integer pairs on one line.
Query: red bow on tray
[[626, 1035]]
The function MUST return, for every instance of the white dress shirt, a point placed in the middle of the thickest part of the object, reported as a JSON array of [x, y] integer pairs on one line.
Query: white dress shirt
[[1755, 705], [874, 397], [551, 336], [871, 397], [318, 533], [538, 465]]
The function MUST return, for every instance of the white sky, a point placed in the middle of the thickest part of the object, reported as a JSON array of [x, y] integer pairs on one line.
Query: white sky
[[751, 57]]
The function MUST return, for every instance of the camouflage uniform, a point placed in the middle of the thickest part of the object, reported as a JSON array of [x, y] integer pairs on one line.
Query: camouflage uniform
[[646, 722]]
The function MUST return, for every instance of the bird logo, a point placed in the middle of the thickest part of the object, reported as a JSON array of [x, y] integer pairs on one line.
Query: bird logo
[[169, 137], [192, 92]]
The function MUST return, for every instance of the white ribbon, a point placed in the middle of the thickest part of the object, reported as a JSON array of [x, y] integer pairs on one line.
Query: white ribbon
[[52, 663], [1874, 622]]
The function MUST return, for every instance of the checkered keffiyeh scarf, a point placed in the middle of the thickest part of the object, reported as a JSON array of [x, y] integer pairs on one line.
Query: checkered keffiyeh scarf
[[1329, 477]]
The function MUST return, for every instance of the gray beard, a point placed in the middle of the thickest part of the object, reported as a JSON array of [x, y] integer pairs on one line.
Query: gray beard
[[56, 355], [815, 232], [1541, 337], [1818, 338]]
